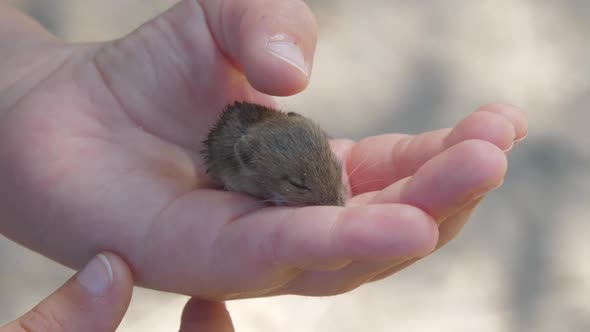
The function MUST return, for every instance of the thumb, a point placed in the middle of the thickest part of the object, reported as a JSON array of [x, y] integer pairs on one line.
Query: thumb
[[95, 299], [204, 316], [272, 42]]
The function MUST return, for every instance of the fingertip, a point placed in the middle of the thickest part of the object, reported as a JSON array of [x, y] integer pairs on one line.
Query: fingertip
[[386, 231], [516, 116], [107, 274], [202, 315], [271, 73], [122, 275], [277, 59], [272, 42], [482, 167], [97, 276], [110, 302], [120, 269], [451, 180], [487, 126], [490, 159]]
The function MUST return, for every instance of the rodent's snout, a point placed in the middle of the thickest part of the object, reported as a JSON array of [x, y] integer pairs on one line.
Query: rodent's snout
[[340, 198]]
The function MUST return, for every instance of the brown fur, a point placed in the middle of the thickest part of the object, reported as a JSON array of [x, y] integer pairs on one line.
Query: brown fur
[[281, 157]]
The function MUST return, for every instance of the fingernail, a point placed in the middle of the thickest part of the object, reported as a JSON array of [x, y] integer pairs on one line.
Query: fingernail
[[522, 138], [509, 148], [282, 47], [497, 186], [97, 276]]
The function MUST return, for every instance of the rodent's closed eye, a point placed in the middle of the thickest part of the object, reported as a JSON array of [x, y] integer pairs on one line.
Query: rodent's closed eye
[[281, 157], [296, 182]]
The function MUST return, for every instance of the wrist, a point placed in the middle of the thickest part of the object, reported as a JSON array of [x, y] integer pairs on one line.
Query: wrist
[[28, 53]]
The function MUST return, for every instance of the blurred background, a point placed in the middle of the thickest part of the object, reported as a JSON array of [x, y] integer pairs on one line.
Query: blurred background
[[412, 66]]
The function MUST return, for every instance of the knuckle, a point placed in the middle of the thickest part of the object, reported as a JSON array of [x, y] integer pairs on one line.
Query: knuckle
[[38, 320]]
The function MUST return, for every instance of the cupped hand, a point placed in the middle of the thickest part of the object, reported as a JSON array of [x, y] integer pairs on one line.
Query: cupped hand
[[99, 150]]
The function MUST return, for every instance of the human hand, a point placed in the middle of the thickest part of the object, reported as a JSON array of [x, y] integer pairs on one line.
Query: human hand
[[93, 300], [99, 150], [96, 298]]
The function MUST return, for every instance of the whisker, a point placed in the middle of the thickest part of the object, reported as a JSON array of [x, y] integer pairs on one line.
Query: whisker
[[367, 167], [358, 166], [356, 185]]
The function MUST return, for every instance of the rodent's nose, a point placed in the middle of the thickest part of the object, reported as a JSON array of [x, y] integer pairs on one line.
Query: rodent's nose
[[341, 200]]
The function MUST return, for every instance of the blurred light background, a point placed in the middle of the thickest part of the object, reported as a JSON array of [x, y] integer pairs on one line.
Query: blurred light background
[[409, 66]]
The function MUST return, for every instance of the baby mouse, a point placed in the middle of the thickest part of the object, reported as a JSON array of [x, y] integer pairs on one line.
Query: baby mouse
[[281, 157]]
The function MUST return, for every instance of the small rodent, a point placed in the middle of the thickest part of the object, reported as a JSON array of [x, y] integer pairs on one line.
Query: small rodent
[[284, 158]]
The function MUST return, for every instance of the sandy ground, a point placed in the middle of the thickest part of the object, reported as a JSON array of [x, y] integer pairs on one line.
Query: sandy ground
[[520, 265]]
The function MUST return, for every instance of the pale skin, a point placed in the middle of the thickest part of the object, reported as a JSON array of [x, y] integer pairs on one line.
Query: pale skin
[[95, 300], [99, 150]]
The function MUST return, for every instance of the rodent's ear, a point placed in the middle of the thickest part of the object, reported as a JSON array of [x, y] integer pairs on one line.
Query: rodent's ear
[[245, 148]]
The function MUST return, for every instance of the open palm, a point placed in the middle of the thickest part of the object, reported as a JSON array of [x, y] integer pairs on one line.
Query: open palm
[[100, 150]]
